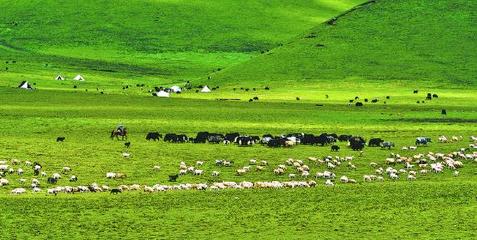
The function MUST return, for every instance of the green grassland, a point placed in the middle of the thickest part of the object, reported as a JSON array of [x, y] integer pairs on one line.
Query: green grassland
[[388, 48], [148, 39], [387, 40]]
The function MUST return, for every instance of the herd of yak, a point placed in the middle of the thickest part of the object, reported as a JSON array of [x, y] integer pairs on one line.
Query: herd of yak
[[355, 142]]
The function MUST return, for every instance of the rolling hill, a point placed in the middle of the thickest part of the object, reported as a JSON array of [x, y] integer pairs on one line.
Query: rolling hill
[[415, 40], [164, 39]]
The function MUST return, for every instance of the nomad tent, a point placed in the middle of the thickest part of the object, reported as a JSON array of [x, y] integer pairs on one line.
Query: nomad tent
[[79, 78], [176, 89], [162, 94], [24, 85], [60, 78], [205, 89]]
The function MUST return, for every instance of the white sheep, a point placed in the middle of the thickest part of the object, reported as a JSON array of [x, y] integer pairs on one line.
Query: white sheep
[[66, 169], [157, 168], [3, 182], [215, 173], [456, 173], [198, 172], [18, 191], [20, 171], [110, 175], [344, 179], [329, 183], [291, 175], [199, 163], [56, 176], [126, 155]]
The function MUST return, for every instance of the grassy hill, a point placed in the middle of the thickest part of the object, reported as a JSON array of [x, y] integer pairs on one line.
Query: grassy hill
[[384, 40], [162, 39]]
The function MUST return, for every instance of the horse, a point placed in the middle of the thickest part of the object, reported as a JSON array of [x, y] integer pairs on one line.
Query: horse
[[119, 133]]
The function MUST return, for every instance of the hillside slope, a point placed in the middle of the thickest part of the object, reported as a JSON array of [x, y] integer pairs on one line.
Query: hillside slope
[[430, 40], [170, 39]]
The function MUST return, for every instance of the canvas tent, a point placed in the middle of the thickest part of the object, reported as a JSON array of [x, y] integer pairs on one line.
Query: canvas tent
[[24, 85], [162, 94], [79, 78], [205, 89], [60, 78], [176, 89]]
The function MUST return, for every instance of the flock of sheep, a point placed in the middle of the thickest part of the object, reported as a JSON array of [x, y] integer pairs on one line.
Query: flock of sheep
[[298, 171]]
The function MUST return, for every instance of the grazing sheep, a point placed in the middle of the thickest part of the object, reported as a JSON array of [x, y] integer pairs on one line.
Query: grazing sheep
[[56, 176], [240, 172], [66, 169], [329, 183], [148, 189], [20, 171], [182, 172], [18, 191], [43, 174], [198, 172], [456, 173], [344, 179], [199, 163], [3, 182], [156, 168], [110, 175], [291, 175], [259, 168], [73, 178], [252, 161], [126, 155], [411, 177], [215, 173], [22, 180]]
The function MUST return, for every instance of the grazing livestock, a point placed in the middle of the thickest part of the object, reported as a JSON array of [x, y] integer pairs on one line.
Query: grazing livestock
[[423, 140], [73, 178], [153, 136], [115, 191], [335, 148], [127, 144], [375, 142], [60, 139], [443, 112], [173, 178], [52, 180], [387, 145], [357, 143]]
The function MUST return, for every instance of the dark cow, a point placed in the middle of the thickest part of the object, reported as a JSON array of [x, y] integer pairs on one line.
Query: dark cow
[[435, 95], [375, 142], [423, 140], [344, 138], [115, 191], [231, 137], [51, 180], [175, 138], [173, 178], [60, 139], [201, 137], [416, 91], [153, 136], [374, 100], [215, 138], [444, 112], [429, 96], [387, 145], [335, 148], [127, 144], [277, 142], [357, 143], [359, 104], [245, 141]]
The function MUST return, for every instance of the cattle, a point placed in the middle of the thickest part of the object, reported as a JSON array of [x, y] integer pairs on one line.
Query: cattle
[[153, 136], [201, 137], [375, 142], [245, 141], [444, 112], [52, 180], [429, 96], [335, 148], [255, 98], [423, 140], [387, 145], [60, 139], [116, 191], [175, 138], [359, 104], [357, 143], [344, 138], [416, 91], [215, 138], [231, 137], [276, 142], [374, 100], [127, 144], [435, 95], [173, 178]]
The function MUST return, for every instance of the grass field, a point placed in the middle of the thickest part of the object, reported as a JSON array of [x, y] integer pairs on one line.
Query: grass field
[[403, 57]]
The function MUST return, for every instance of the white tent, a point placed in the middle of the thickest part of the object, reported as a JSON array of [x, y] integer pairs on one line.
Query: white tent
[[176, 89], [205, 89], [59, 77], [162, 94], [24, 85], [79, 78]]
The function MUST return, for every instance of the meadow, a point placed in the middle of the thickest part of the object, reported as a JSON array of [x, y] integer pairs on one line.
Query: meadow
[[384, 50]]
